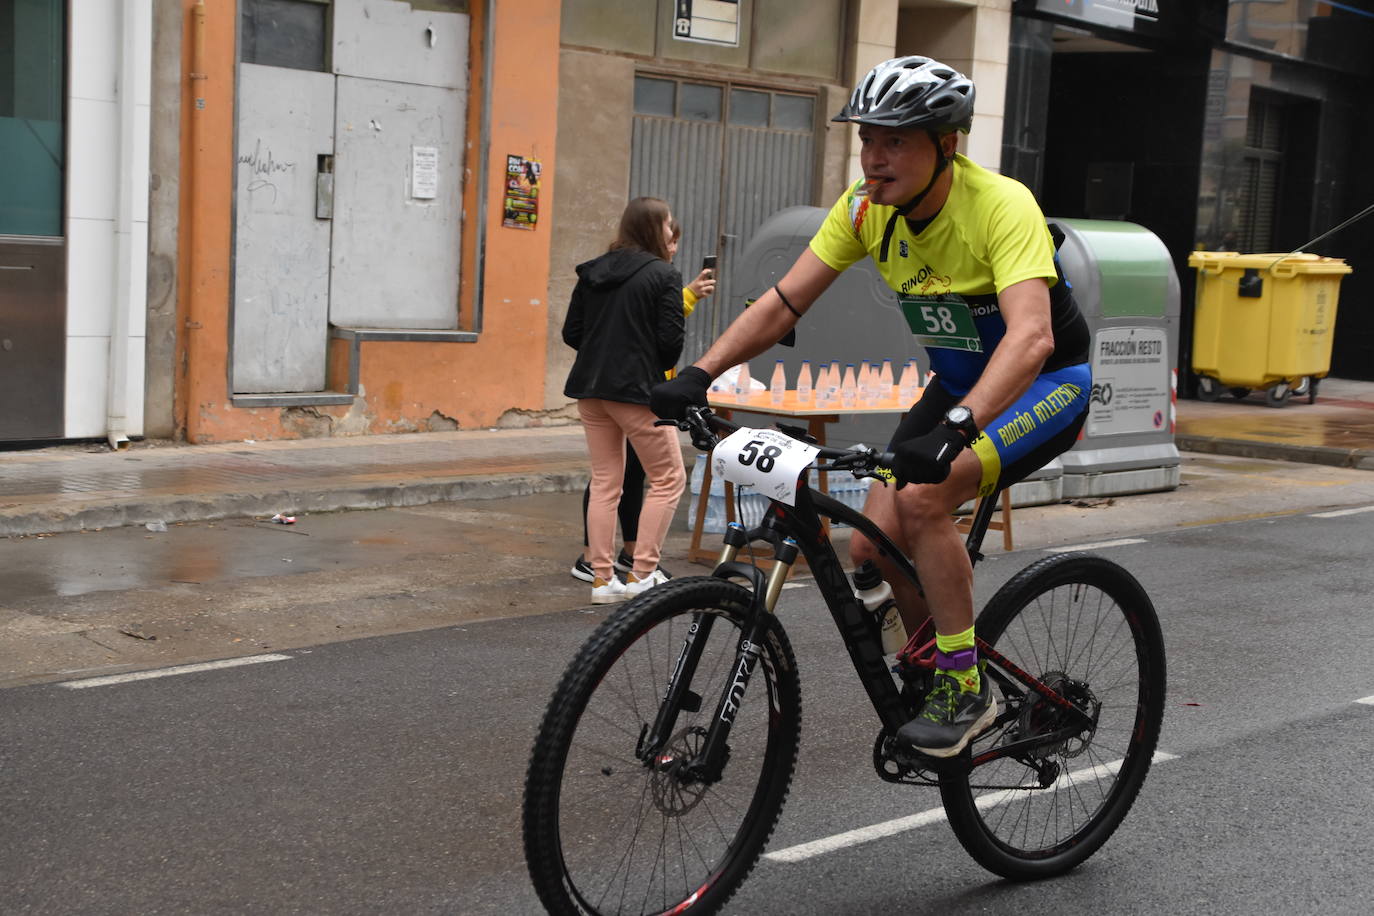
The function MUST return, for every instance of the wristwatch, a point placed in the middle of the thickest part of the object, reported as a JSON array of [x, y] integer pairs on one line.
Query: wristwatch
[[961, 418]]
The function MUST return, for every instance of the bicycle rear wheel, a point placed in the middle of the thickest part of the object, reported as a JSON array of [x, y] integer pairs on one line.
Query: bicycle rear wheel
[[1083, 626], [607, 832]]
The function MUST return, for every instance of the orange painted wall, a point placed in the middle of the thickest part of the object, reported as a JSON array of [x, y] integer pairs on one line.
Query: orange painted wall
[[404, 383]]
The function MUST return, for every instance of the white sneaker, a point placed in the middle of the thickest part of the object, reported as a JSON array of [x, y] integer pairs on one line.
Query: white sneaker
[[604, 592], [635, 586]]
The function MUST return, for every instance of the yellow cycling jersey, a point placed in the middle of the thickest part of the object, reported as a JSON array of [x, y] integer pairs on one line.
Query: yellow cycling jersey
[[989, 235]]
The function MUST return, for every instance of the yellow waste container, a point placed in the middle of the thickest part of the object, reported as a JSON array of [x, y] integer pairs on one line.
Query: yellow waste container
[[1264, 321]]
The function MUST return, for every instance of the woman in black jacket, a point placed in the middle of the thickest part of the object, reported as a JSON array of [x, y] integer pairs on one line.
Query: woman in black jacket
[[625, 322]]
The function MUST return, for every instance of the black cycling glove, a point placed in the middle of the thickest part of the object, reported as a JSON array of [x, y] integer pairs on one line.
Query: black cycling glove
[[927, 459], [671, 399]]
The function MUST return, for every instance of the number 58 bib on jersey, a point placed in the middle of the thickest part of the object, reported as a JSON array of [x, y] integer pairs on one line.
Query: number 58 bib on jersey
[[766, 459], [943, 321]]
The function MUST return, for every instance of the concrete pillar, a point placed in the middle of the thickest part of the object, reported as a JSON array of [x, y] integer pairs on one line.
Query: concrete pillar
[[875, 42], [974, 38]]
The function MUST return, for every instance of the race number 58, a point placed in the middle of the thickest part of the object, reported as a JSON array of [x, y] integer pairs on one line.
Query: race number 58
[[761, 456], [765, 459], [938, 318]]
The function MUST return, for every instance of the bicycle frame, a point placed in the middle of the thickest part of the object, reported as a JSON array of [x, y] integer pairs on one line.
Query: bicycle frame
[[798, 528]]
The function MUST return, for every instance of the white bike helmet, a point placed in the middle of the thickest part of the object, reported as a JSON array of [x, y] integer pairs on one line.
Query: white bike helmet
[[912, 91]]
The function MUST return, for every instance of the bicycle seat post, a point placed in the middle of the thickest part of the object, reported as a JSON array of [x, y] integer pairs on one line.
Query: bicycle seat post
[[978, 528]]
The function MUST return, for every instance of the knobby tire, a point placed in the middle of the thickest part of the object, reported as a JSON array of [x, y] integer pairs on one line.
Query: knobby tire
[[606, 834], [1072, 619]]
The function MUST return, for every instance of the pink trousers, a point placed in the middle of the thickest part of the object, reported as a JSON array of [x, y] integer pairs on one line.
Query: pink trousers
[[607, 425]]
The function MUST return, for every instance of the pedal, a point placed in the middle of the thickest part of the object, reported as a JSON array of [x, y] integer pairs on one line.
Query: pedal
[[912, 768]]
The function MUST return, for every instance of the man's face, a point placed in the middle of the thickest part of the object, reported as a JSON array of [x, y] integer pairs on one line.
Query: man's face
[[897, 161]]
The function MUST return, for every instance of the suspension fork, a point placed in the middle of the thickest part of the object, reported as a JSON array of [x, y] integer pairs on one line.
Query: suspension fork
[[708, 764]]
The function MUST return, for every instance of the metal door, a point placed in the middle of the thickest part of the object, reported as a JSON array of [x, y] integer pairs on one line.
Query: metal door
[[343, 109], [725, 158]]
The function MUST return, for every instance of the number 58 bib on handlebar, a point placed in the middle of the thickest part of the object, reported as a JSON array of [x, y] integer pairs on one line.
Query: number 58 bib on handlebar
[[766, 459]]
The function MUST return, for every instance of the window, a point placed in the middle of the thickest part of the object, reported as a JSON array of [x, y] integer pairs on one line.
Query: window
[[1265, 136], [32, 87], [667, 98], [655, 97], [285, 33]]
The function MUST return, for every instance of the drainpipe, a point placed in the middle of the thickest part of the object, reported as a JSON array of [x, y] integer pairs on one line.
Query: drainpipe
[[117, 388]]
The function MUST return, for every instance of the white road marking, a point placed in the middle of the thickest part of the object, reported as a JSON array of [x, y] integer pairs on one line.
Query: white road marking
[[797, 584], [1368, 701], [169, 672], [1339, 512], [1098, 545], [820, 847]]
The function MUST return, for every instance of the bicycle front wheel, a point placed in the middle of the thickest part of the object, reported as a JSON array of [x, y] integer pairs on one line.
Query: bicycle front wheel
[[1085, 628], [608, 831]]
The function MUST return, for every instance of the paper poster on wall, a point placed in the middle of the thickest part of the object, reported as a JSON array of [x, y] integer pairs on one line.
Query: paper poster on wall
[[714, 22], [1131, 382], [424, 172], [522, 192]]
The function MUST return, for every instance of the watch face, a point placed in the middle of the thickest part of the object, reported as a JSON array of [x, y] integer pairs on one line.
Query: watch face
[[959, 416]]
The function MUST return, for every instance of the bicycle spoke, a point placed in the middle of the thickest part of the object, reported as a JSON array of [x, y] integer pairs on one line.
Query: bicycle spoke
[[646, 835]]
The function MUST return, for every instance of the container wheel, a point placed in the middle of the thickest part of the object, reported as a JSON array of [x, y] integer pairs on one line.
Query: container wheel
[[1278, 394], [1208, 388]]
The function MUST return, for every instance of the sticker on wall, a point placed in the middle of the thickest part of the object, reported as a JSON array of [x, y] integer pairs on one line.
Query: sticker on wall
[[424, 172], [714, 22], [522, 192], [1131, 390]]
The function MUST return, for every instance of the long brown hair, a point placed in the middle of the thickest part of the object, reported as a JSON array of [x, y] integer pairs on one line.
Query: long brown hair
[[641, 226]]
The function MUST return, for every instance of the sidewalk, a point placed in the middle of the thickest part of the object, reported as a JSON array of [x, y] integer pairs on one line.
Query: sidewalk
[[76, 486]]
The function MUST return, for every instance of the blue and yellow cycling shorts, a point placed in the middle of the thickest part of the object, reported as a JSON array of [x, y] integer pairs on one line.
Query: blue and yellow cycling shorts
[[1042, 424]]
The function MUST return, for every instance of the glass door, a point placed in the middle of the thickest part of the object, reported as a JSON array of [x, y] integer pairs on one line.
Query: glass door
[[33, 39]]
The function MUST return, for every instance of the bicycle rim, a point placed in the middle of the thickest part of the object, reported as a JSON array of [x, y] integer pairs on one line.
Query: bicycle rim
[[1085, 627], [607, 834]]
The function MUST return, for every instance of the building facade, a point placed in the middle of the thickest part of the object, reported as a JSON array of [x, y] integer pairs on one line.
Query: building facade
[[1228, 126], [247, 219]]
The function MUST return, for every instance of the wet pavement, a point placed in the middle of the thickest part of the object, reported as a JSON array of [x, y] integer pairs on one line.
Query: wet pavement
[[472, 526], [1338, 429], [85, 486]]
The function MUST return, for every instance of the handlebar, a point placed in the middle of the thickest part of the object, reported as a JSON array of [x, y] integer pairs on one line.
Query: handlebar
[[701, 423]]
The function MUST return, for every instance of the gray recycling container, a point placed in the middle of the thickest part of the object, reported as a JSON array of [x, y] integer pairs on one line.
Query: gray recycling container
[[1124, 281]]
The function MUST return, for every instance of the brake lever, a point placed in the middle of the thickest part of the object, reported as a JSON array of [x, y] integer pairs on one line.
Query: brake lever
[[697, 425]]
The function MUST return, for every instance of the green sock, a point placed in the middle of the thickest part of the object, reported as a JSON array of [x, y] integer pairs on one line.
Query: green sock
[[968, 678]]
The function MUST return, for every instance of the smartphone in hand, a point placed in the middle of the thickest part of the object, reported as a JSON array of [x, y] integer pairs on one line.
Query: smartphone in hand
[[709, 263]]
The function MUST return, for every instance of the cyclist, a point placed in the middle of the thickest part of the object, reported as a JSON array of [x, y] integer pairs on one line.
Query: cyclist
[[973, 264]]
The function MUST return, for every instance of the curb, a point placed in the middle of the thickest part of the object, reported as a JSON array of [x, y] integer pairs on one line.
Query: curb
[[51, 519], [1360, 459]]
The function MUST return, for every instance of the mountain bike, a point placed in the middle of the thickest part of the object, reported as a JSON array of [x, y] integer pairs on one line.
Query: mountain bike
[[660, 767]]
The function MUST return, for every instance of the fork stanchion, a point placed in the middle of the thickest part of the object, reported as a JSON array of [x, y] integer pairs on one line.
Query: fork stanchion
[[783, 558]]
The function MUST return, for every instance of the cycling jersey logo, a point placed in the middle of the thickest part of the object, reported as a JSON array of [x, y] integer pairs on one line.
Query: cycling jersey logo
[[858, 209], [902, 249], [926, 283]]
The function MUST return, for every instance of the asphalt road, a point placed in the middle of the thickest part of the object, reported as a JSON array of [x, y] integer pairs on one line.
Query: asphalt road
[[384, 774]]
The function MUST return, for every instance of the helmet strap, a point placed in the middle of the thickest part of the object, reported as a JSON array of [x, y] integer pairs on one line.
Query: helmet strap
[[901, 210]]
